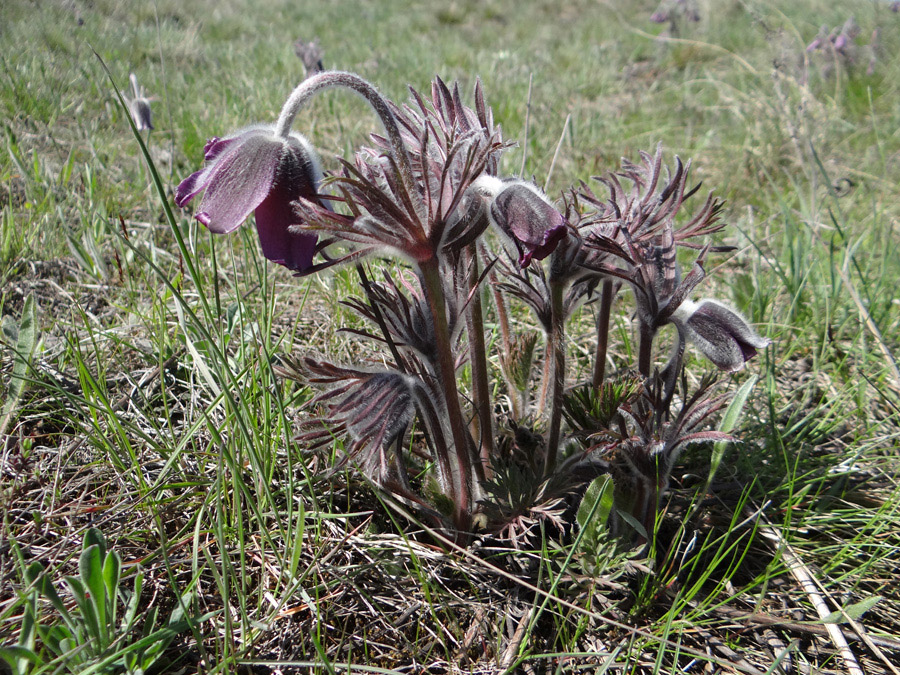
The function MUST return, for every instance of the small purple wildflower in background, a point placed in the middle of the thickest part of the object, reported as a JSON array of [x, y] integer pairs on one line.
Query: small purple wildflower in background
[[722, 334], [255, 170], [820, 40], [139, 106], [844, 41], [838, 47]]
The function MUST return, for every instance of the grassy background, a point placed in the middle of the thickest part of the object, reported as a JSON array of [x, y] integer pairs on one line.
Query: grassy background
[[151, 409]]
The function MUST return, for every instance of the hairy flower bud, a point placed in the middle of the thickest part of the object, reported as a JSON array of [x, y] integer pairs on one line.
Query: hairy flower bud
[[522, 212], [723, 335]]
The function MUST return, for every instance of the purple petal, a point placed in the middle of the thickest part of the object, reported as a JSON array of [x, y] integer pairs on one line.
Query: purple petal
[[297, 176], [215, 146], [534, 225], [273, 218], [240, 180], [716, 343], [552, 237], [189, 187]]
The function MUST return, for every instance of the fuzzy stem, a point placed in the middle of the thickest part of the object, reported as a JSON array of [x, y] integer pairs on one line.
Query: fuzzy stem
[[557, 352], [318, 83], [671, 372], [502, 315], [478, 360], [645, 349], [434, 292], [517, 398], [606, 299], [546, 376]]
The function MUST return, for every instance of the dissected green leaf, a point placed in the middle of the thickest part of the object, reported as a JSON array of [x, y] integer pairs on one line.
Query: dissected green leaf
[[590, 410]]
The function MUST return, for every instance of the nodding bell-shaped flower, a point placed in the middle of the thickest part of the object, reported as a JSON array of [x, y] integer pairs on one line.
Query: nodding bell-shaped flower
[[522, 212], [256, 170], [722, 334], [139, 106]]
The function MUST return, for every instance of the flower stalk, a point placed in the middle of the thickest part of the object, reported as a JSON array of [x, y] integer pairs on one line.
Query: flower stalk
[[606, 300], [481, 394], [556, 353], [312, 86], [461, 477]]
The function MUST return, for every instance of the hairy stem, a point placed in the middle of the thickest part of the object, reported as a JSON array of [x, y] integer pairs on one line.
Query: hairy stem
[[517, 398], [645, 349], [478, 360], [556, 350], [434, 292], [546, 375], [318, 83], [606, 298]]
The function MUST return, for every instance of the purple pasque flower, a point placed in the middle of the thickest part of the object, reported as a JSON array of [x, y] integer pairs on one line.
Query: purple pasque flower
[[723, 335], [522, 212], [255, 170]]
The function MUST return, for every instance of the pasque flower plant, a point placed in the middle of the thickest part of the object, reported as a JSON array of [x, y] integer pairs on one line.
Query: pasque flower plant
[[502, 433]]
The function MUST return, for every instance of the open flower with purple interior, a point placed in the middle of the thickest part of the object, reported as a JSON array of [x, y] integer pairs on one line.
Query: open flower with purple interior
[[255, 170]]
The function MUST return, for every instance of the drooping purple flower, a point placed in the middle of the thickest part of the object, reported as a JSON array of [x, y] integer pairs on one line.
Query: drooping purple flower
[[256, 171], [722, 334], [522, 212]]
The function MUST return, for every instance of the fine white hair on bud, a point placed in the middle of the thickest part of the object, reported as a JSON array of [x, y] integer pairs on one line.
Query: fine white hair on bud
[[723, 335], [521, 212]]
